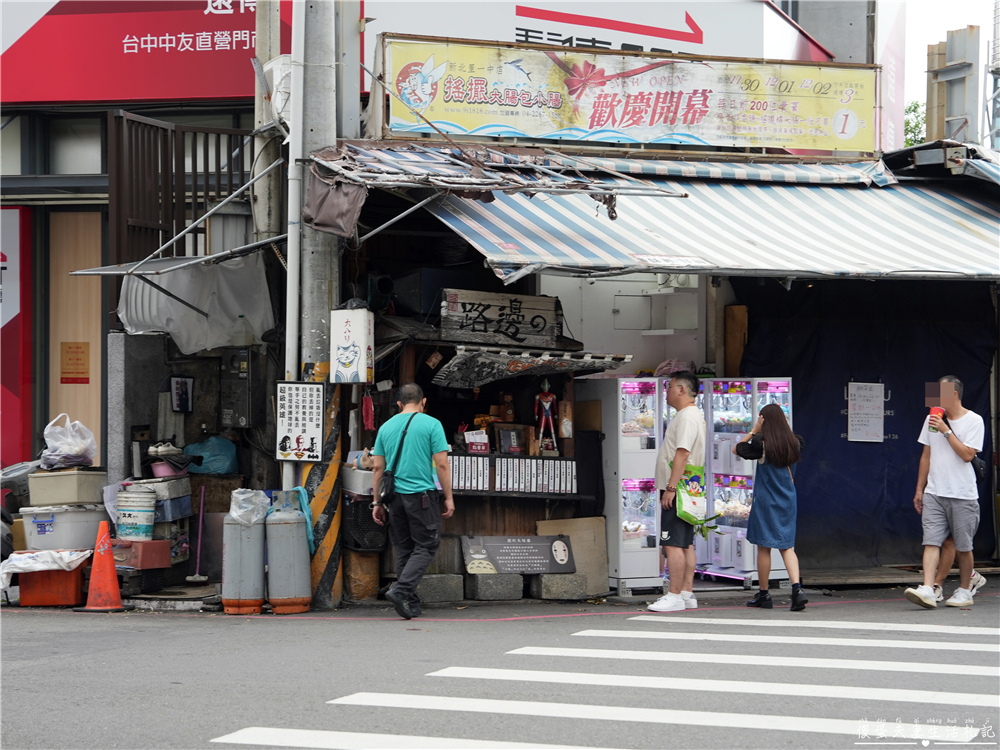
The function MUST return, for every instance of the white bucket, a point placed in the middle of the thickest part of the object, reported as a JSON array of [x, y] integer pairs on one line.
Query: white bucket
[[136, 514]]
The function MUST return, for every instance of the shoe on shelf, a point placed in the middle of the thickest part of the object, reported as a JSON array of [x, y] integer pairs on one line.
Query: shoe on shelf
[[961, 598], [154, 450], [762, 599], [402, 606], [799, 600], [169, 449], [977, 582], [668, 603], [922, 596], [690, 602], [938, 592]]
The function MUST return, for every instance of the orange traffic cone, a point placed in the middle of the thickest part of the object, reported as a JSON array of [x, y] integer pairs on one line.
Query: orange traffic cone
[[103, 595]]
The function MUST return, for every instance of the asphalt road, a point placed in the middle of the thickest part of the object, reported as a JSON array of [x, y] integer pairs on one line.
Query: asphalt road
[[858, 669]]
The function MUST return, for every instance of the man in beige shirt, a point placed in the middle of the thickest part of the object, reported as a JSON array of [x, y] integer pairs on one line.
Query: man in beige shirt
[[683, 444]]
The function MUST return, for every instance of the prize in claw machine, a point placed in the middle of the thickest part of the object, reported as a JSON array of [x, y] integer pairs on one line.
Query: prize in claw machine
[[632, 428], [772, 391]]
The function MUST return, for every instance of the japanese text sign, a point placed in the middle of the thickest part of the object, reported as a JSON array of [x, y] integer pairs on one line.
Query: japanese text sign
[[520, 92], [865, 412], [522, 554]]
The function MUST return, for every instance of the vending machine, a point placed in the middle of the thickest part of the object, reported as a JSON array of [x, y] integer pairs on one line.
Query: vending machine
[[631, 422]]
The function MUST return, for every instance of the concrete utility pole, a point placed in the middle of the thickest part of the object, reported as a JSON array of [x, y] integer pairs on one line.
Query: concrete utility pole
[[315, 24], [267, 192]]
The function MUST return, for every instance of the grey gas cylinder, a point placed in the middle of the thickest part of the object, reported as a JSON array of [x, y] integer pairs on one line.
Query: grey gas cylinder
[[289, 587], [242, 567]]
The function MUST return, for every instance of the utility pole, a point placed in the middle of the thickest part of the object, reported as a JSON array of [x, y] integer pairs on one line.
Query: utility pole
[[314, 23], [265, 198]]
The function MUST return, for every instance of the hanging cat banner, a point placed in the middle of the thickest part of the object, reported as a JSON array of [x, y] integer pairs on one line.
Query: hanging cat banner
[[352, 338], [518, 91]]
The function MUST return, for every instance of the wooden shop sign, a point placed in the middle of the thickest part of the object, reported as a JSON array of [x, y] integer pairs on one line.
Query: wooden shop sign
[[500, 319]]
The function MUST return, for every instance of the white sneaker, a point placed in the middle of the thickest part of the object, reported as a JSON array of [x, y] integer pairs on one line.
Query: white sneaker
[[922, 596], [689, 600], [668, 603], [977, 582], [938, 593], [961, 598], [169, 449]]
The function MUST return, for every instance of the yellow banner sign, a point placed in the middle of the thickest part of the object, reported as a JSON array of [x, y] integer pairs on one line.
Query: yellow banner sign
[[468, 89]]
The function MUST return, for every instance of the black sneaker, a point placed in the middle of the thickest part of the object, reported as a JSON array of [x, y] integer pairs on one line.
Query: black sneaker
[[761, 599], [415, 609], [402, 606], [799, 600]]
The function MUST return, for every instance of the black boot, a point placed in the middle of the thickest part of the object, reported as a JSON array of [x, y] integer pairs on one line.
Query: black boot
[[799, 600], [762, 599]]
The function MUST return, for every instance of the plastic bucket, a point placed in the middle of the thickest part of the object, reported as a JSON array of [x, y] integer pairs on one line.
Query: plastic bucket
[[136, 514]]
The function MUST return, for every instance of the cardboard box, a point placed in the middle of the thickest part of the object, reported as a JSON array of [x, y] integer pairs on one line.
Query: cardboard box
[[587, 415], [590, 548]]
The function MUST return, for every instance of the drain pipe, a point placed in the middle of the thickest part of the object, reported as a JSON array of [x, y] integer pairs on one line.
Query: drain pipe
[[293, 283]]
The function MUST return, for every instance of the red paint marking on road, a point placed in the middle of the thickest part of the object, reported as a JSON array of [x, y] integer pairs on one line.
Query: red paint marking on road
[[695, 35]]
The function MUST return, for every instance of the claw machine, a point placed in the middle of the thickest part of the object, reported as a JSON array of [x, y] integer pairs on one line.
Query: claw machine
[[631, 424], [731, 412]]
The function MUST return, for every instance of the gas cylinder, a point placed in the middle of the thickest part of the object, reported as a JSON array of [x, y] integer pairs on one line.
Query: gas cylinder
[[242, 567], [289, 588]]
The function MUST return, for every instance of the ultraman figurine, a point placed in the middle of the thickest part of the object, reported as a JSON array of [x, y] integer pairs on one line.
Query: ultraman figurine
[[546, 403]]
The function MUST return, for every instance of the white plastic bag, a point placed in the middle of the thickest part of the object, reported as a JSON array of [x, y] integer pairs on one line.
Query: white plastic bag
[[248, 506], [69, 445]]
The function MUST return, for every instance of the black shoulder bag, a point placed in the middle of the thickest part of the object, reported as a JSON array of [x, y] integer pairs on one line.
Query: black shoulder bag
[[387, 487], [978, 464]]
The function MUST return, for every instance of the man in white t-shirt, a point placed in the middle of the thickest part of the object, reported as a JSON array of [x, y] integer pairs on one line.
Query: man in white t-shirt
[[683, 444], [947, 496]]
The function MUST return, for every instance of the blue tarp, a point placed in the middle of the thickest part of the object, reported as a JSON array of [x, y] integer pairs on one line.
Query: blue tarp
[[856, 499]]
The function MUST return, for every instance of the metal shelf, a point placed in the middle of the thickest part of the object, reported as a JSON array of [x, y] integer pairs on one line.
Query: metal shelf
[[671, 332]]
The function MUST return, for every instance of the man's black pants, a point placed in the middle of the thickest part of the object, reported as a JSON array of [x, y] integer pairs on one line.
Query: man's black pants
[[415, 532]]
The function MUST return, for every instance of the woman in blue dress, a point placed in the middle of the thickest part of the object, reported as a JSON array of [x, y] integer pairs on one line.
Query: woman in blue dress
[[773, 513]]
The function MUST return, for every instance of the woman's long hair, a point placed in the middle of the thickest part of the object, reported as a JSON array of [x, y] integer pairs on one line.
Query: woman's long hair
[[781, 446]]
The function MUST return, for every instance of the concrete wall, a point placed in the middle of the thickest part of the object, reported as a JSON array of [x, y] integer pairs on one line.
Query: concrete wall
[[589, 305]]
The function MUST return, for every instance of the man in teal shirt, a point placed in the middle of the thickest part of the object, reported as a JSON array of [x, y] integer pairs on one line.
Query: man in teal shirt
[[415, 510]]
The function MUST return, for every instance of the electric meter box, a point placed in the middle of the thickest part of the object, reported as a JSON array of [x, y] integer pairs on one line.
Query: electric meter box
[[241, 393], [352, 346]]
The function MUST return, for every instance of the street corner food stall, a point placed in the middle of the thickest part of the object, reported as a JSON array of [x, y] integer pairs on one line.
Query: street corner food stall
[[499, 375]]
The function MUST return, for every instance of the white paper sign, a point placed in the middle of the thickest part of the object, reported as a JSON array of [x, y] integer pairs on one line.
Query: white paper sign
[[299, 432], [865, 412]]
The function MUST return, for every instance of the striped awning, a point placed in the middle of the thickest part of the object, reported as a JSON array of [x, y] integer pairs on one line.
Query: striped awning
[[862, 173], [910, 230]]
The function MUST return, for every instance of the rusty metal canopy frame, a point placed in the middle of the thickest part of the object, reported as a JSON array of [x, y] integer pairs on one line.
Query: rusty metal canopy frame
[[474, 171]]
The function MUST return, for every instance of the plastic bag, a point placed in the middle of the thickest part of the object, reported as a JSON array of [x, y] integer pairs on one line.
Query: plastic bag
[[69, 445], [218, 454], [248, 506]]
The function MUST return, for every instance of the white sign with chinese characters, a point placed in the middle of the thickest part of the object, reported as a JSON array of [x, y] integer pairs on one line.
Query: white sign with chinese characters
[[299, 432], [865, 412]]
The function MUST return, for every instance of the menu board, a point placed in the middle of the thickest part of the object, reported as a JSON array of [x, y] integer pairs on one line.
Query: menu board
[[865, 412]]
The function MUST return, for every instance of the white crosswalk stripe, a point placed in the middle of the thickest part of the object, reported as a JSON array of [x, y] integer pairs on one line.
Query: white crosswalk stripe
[[894, 627], [988, 648], [768, 723], [766, 661], [805, 658], [721, 686]]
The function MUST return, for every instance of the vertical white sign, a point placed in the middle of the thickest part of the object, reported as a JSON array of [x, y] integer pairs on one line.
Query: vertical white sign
[[865, 412]]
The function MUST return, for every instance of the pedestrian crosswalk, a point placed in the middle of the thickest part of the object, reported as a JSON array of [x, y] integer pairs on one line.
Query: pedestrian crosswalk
[[708, 675]]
